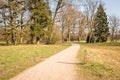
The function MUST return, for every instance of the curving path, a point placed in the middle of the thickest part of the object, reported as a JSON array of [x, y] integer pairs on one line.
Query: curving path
[[58, 67]]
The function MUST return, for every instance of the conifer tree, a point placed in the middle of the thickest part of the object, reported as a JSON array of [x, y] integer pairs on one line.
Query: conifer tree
[[41, 20], [13, 10], [101, 25]]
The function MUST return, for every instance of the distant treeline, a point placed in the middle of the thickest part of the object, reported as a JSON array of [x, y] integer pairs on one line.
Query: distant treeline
[[51, 21]]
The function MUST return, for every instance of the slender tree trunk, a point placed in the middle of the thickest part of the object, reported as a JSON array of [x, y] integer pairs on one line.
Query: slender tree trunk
[[12, 38], [112, 36], [32, 38], [62, 34], [21, 40], [6, 35], [21, 36], [38, 40], [4, 18], [79, 35], [68, 34], [116, 37]]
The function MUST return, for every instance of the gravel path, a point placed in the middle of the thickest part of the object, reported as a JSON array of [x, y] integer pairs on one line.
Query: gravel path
[[58, 67]]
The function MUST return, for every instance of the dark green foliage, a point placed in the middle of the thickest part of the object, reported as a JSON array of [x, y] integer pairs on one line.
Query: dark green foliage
[[17, 29], [41, 20], [10, 21], [101, 25]]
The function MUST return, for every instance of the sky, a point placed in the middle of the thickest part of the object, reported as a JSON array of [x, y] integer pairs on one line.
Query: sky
[[112, 7]]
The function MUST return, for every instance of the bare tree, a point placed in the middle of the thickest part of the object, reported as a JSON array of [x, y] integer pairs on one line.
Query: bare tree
[[60, 9], [90, 7], [114, 23], [82, 25], [60, 4], [68, 18]]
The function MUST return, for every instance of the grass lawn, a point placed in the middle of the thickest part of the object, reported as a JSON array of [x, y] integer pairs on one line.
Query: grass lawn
[[102, 61], [14, 59]]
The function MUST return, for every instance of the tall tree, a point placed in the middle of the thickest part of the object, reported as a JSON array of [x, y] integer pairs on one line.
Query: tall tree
[[3, 20], [60, 4], [114, 23], [21, 20], [11, 10], [90, 7], [9, 15], [101, 25], [82, 25], [40, 20], [68, 19]]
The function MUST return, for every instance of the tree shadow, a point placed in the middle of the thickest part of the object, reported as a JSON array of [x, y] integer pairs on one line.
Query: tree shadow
[[2, 44], [75, 63]]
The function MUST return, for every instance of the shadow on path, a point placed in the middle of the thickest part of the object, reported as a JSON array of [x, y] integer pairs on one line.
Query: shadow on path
[[71, 63]]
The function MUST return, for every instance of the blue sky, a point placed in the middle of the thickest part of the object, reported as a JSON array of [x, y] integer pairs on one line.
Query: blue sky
[[112, 7]]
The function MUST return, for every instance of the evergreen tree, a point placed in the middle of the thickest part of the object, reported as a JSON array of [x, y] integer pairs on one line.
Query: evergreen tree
[[41, 20], [101, 25], [13, 10], [10, 12]]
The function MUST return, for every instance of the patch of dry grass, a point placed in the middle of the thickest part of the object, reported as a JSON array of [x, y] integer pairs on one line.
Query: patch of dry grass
[[103, 62]]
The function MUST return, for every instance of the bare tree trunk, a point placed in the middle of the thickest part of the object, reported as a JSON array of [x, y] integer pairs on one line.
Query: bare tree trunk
[[114, 22], [38, 40], [68, 34], [59, 5], [112, 36], [4, 21], [62, 34], [79, 35], [6, 35], [90, 7], [21, 36], [21, 40], [116, 37]]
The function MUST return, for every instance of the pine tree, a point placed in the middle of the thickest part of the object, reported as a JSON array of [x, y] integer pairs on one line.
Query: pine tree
[[41, 20], [101, 25]]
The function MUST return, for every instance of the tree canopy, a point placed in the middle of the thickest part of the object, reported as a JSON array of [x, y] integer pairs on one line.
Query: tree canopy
[[101, 25]]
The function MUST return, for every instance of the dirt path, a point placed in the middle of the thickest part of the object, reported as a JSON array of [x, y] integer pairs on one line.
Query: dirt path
[[58, 67]]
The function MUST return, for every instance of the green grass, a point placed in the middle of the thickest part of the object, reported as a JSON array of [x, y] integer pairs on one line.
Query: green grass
[[103, 62], [2, 43], [101, 44], [14, 59]]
